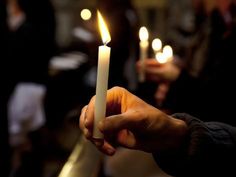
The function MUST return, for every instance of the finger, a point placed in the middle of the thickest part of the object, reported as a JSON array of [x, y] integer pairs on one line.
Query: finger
[[127, 120], [114, 98], [82, 117], [126, 139], [87, 133], [89, 115], [105, 148], [152, 70], [152, 63]]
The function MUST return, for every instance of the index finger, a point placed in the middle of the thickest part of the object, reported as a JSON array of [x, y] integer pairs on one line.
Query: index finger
[[82, 117], [152, 63], [89, 115]]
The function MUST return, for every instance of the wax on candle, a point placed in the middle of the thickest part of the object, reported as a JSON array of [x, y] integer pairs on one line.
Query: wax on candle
[[102, 77], [143, 35]]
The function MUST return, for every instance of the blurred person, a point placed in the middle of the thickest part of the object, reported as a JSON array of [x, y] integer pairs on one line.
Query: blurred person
[[6, 88], [206, 77], [181, 144], [180, 25], [32, 38], [31, 46]]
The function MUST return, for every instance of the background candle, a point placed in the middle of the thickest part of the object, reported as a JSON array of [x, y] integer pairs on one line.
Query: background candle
[[165, 56], [156, 45], [168, 52], [161, 58], [102, 77], [143, 35]]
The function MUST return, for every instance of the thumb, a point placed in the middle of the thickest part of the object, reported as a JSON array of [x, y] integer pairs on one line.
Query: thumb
[[118, 122], [127, 139]]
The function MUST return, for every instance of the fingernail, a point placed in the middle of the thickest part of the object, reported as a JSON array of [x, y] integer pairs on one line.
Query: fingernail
[[97, 143]]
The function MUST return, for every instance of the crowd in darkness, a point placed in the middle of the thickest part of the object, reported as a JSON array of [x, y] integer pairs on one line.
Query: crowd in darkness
[[199, 81]]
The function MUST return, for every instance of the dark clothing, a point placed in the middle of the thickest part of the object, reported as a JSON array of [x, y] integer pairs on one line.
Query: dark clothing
[[5, 90], [33, 43], [210, 96], [210, 150]]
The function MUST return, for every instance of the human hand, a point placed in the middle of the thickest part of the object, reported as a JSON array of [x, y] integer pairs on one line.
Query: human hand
[[132, 123], [157, 72]]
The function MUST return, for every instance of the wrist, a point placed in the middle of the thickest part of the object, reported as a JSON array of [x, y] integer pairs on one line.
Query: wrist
[[179, 131]]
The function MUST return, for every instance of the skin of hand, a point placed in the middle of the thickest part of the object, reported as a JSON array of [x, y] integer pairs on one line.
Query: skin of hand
[[134, 124], [167, 72]]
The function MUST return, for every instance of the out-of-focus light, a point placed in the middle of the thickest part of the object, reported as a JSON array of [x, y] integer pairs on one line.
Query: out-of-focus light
[[156, 45], [85, 14], [161, 58], [143, 34], [168, 52]]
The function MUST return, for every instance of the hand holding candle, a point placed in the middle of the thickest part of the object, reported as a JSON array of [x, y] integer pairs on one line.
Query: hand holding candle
[[102, 77], [143, 35]]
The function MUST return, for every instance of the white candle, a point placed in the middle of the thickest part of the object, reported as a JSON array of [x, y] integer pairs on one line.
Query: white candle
[[143, 35], [102, 78]]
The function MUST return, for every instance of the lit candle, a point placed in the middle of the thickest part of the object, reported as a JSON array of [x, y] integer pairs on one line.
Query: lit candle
[[161, 58], [168, 52], [156, 45], [165, 56], [143, 35], [102, 77]]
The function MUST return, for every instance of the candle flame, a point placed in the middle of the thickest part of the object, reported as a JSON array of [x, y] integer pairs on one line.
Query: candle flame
[[156, 44], [143, 34], [161, 58], [106, 38], [86, 14], [167, 50]]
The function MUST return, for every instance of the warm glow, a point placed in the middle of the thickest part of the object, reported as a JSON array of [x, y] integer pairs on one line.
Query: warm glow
[[167, 50], [156, 44], [143, 34], [106, 38], [161, 58], [85, 14]]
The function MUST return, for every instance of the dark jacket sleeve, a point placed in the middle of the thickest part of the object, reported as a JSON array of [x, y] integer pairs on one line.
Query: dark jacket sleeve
[[209, 150]]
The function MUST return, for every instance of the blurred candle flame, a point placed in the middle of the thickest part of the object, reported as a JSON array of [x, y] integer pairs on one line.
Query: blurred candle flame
[[86, 14], [143, 34], [161, 58], [168, 52], [156, 44]]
